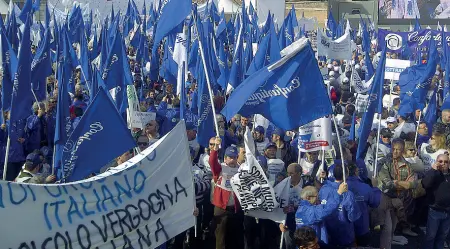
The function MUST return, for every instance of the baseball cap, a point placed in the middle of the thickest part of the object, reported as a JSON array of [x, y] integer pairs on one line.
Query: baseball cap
[[268, 145], [34, 158], [231, 152], [385, 132], [391, 120], [278, 132], [46, 151], [259, 129]]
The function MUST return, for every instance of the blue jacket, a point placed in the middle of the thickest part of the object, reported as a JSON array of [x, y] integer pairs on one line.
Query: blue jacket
[[34, 133], [365, 197], [340, 223], [314, 215], [16, 149]]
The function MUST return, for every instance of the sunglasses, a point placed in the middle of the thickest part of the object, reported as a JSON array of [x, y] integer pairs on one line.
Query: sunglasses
[[211, 144], [142, 144], [441, 161]]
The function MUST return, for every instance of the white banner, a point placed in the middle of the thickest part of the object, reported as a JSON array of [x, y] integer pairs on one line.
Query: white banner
[[139, 119], [141, 203], [251, 185], [315, 135], [282, 196], [339, 49], [394, 67]]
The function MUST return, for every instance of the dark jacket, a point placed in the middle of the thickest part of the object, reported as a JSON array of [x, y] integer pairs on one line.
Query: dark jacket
[[437, 186]]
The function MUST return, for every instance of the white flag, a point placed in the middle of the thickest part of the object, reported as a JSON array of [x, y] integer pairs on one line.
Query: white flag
[[179, 56]]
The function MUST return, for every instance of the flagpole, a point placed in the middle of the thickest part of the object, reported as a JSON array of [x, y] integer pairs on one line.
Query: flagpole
[[417, 130], [340, 145], [5, 165], [378, 144], [207, 76], [390, 97]]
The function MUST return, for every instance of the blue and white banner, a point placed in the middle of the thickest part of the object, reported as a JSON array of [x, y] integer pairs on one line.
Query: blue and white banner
[[141, 203], [315, 135], [394, 67], [339, 49], [397, 41]]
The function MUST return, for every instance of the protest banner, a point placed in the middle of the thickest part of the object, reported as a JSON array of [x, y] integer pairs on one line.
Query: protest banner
[[315, 136], [250, 184], [394, 67], [139, 119], [339, 49], [141, 203], [282, 196]]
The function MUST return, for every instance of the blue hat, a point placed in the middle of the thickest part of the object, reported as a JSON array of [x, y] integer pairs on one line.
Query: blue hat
[[278, 132], [259, 129], [34, 158], [270, 145], [231, 152]]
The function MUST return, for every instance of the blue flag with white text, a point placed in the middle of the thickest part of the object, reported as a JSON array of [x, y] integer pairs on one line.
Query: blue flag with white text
[[100, 123], [285, 91]]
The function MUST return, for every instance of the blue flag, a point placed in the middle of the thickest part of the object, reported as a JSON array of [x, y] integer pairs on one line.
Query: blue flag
[[12, 31], [236, 73], [100, 122], [63, 122], [167, 21], [268, 52], [206, 118], [26, 10], [281, 90], [41, 68], [22, 97], [430, 117], [375, 105], [84, 60], [223, 65], [9, 64], [116, 73]]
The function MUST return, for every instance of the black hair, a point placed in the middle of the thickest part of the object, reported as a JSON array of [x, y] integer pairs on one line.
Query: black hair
[[304, 236], [338, 173]]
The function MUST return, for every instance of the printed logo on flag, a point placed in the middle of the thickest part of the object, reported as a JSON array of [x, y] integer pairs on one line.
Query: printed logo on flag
[[394, 41]]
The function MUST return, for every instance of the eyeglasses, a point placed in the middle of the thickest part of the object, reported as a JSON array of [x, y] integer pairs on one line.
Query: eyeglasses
[[441, 161], [142, 144], [212, 144]]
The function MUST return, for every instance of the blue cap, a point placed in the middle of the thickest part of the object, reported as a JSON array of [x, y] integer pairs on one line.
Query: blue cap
[[259, 129], [278, 132], [34, 158], [231, 152], [270, 145]]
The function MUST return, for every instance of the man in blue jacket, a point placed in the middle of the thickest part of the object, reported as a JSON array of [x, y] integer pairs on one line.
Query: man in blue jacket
[[340, 223], [312, 213], [365, 197]]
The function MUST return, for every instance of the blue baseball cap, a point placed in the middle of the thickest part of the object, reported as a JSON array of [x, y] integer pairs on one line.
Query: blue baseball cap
[[268, 145], [278, 132], [259, 129], [231, 152], [34, 158]]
